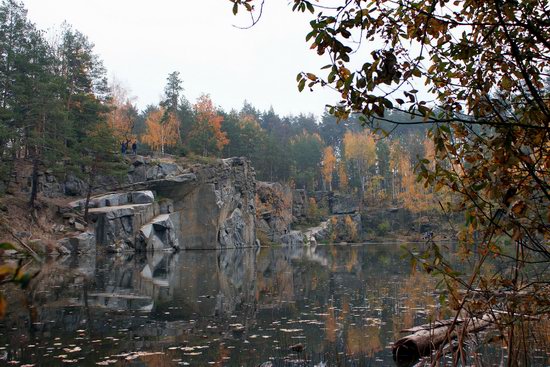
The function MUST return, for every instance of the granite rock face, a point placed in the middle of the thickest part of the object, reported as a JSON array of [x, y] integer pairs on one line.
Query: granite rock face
[[147, 169], [293, 238], [84, 243], [343, 204], [205, 207], [299, 205], [345, 228], [274, 211]]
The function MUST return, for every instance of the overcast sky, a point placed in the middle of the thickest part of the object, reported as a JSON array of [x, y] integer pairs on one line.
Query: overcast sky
[[141, 42]]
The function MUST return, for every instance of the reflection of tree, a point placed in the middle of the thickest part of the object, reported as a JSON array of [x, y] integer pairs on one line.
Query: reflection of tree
[[331, 327], [352, 261], [363, 340], [413, 300]]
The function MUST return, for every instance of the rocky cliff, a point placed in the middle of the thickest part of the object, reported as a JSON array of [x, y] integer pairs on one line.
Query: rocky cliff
[[169, 207]]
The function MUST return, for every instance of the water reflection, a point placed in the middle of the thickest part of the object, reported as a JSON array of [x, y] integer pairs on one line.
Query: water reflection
[[343, 304]]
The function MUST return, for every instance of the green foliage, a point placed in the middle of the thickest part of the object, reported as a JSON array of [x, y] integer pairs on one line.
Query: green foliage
[[383, 228], [54, 98], [313, 215], [307, 151]]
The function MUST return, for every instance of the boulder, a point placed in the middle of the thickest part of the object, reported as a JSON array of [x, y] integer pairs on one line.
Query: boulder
[[318, 234], [61, 249], [142, 197], [120, 223], [78, 226], [168, 169], [116, 199], [83, 243], [138, 160], [74, 186]]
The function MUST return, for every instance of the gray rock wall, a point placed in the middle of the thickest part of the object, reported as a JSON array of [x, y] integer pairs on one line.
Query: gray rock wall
[[204, 207], [274, 211]]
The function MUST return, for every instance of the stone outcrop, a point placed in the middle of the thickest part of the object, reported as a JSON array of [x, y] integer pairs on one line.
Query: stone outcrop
[[317, 234], [293, 238], [345, 228], [83, 243], [343, 204], [299, 205], [274, 211], [147, 169], [202, 207]]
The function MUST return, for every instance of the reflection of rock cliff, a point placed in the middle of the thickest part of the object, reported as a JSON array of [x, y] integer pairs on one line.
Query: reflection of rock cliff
[[169, 208]]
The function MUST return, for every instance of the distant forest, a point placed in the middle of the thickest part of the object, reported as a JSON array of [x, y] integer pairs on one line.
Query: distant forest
[[58, 110]]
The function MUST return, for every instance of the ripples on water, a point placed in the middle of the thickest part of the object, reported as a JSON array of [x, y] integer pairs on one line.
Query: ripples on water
[[343, 304]]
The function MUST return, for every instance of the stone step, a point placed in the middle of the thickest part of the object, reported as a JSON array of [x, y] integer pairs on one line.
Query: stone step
[[116, 199]]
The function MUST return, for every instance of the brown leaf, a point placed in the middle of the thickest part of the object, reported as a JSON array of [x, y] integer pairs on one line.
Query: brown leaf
[[519, 208]]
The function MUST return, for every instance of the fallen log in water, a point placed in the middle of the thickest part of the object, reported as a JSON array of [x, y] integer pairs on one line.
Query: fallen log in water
[[429, 337]]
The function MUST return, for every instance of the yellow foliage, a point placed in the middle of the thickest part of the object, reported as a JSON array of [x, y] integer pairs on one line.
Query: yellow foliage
[[360, 147], [342, 176], [413, 194], [351, 228], [329, 165], [120, 119]]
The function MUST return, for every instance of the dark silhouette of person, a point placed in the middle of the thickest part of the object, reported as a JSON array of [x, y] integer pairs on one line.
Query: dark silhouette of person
[[123, 147], [134, 147]]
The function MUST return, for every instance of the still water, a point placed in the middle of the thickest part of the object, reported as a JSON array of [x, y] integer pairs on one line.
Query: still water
[[344, 305]]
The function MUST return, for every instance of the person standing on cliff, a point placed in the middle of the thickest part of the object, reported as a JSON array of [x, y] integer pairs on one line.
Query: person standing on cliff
[[134, 147]]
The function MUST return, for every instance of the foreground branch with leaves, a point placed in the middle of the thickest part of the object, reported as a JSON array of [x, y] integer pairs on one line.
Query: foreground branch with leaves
[[483, 69]]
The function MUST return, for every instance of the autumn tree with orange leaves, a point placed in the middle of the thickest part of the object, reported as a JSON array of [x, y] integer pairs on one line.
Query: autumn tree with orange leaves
[[162, 130], [206, 136], [123, 114]]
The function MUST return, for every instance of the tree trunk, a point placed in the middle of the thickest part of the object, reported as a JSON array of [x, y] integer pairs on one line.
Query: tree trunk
[[89, 194], [34, 181], [427, 338]]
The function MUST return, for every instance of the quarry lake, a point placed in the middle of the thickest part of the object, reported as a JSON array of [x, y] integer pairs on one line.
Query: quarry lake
[[329, 305]]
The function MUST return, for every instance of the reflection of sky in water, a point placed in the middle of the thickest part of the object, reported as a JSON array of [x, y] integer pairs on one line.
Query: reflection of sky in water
[[344, 304]]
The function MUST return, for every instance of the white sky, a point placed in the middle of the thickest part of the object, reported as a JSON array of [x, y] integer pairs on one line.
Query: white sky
[[142, 41]]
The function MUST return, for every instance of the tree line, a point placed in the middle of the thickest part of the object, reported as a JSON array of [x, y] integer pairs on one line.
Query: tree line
[[304, 151], [59, 111]]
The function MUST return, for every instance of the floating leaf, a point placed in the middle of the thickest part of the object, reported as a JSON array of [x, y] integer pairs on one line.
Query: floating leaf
[[3, 306]]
